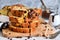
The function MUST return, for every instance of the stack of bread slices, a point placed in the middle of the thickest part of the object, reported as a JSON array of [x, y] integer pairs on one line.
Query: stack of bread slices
[[26, 22]]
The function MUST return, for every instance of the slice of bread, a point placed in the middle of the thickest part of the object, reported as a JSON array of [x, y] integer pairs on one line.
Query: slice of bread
[[18, 29]]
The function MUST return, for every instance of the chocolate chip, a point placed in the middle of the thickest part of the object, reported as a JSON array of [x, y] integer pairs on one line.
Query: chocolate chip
[[28, 26], [14, 11], [48, 29], [9, 33], [11, 39], [28, 37], [29, 30], [44, 23], [43, 35], [20, 26], [0, 13], [29, 22], [19, 10], [24, 21], [36, 14], [24, 17], [24, 11], [18, 37], [14, 18], [8, 37], [24, 31], [36, 24], [45, 26], [25, 39]]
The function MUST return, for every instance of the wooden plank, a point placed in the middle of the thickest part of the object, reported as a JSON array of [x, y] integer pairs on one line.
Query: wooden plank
[[11, 34]]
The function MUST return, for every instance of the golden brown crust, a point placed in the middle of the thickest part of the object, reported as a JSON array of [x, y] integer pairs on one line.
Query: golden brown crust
[[18, 29]]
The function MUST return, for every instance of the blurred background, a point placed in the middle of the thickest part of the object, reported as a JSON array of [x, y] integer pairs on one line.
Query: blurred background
[[52, 4]]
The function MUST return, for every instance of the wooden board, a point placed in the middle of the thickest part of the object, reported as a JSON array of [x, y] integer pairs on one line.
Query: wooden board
[[11, 34], [43, 30]]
